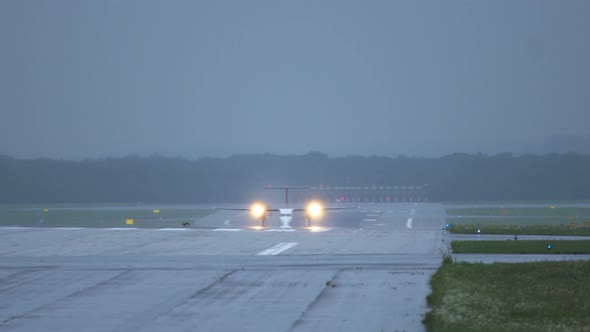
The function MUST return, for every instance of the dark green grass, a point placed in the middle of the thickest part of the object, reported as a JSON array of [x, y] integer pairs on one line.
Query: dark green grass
[[569, 229], [517, 202], [521, 221], [562, 212], [523, 226], [89, 217], [521, 247], [540, 296]]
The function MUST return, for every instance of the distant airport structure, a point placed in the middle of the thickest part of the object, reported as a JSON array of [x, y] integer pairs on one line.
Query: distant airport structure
[[372, 193]]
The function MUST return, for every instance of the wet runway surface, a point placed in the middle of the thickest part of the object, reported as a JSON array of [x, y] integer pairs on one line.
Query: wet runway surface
[[365, 269]]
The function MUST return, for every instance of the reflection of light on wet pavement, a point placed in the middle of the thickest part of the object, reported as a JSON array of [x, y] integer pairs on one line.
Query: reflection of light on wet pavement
[[257, 228], [317, 229]]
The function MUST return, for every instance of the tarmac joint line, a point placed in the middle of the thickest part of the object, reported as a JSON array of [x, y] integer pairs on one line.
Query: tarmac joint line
[[213, 284], [329, 284]]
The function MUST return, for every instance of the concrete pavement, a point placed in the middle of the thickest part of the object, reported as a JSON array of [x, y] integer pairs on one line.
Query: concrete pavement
[[365, 269]]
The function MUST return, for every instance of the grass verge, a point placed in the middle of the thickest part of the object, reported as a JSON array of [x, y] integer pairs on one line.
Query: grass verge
[[540, 296], [100, 217], [517, 202], [522, 247], [563, 212], [569, 229]]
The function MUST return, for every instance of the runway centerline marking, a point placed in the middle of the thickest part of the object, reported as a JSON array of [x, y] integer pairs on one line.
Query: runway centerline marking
[[372, 215], [227, 229], [369, 220], [409, 223], [277, 249]]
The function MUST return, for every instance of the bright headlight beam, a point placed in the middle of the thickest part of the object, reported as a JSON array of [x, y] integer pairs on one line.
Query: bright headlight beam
[[314, 210], [258, 210]]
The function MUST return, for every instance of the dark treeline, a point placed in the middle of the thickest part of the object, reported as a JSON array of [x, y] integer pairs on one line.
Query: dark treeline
[[457, 177]]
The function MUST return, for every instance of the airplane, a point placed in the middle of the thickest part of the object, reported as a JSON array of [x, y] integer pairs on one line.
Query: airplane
[[313, 210]]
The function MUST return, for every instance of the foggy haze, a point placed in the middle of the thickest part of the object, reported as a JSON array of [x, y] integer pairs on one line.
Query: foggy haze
[[109, 78]]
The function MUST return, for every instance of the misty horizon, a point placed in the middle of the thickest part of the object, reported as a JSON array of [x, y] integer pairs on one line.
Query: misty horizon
[[552, 144], [97, 79]]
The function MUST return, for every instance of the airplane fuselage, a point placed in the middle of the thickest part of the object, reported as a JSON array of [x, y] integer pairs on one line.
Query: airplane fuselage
[[286, 216]]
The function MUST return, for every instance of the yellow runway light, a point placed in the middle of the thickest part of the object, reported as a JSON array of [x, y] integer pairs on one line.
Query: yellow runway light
[[156, 211], [129, 221]]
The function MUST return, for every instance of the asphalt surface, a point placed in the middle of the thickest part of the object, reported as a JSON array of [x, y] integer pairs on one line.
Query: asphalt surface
[[355, 270]]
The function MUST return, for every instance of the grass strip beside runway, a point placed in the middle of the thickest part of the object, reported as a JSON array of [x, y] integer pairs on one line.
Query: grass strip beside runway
[[522, 247], [569, 229], [549, 211], [540, 296], [99, 217]]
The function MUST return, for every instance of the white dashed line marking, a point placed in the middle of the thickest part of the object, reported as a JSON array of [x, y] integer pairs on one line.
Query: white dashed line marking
[[372, 215], [369, 219], [277, 249], [227, 229], [409, 223]]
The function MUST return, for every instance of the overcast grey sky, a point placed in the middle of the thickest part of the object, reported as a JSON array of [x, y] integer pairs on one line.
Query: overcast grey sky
[[193, 78]]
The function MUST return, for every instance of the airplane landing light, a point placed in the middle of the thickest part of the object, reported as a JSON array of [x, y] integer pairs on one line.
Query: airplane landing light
[[314, 210], [258, 210]]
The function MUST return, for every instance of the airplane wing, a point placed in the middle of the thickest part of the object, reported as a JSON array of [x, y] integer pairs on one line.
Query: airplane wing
[[332, 208], [244, 209]]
